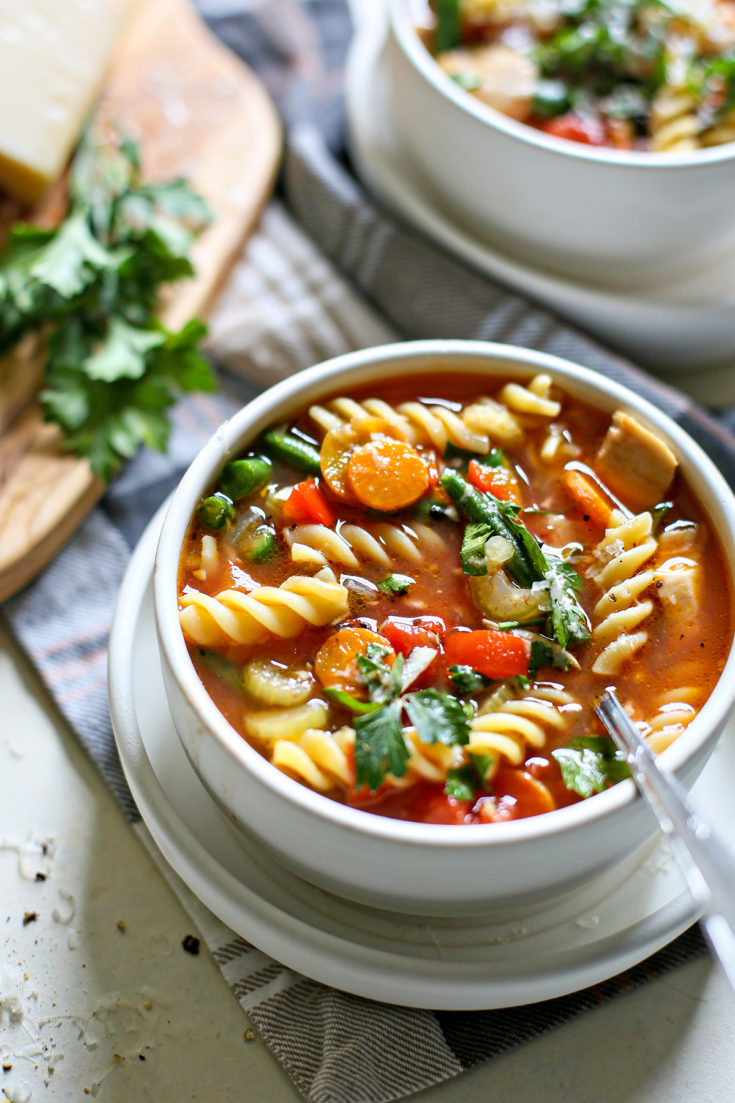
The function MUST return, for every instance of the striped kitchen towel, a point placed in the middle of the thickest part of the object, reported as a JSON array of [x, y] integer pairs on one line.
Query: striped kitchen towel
[[326, 272]]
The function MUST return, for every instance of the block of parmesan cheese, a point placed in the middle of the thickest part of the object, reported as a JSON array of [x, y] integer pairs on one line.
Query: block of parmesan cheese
[[53, 58]]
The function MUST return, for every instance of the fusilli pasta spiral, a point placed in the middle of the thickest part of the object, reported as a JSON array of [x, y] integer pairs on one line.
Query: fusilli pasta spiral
[[677, 708], [380, 543], [673, 123], [506, 727], [413, 421], [318, 757], [284, 611], [625, 547]]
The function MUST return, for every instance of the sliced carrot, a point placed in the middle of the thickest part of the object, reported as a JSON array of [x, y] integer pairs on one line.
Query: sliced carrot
[[335, 664], [501, 481], [587, 498], [387, 474]]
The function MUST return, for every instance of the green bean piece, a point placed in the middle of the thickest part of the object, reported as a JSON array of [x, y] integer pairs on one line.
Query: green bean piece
[[448, 32], [216, 511], [292, 450], [241, 477], [483, 508]]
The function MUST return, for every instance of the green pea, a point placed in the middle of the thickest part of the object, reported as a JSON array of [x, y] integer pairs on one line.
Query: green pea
[[241, 477], [217, 511], [264, 544]]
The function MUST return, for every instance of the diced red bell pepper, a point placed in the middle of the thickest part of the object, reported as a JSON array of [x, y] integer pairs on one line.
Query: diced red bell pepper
[[492, 653], [405, 633], [589, 131], [499, 481], [308, 505]]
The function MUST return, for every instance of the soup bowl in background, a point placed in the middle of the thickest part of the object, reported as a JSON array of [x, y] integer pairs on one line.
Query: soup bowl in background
[[416, 867], [616, 218]]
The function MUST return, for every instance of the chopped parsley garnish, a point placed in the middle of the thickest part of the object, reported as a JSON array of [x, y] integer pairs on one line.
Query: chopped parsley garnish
[[467, 679], [90, 288], [590, 764], [383, 682], [465, 782], [380, 748], [396, 584], [547, 653]]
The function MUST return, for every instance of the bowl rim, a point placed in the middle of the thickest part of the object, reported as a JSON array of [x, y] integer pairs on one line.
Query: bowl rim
[[413, 49], [319, 381]]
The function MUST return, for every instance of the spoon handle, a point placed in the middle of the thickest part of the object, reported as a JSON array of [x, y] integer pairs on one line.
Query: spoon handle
[[707, 864]]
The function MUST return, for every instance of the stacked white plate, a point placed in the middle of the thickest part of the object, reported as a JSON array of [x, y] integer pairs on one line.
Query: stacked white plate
[[463, 963]]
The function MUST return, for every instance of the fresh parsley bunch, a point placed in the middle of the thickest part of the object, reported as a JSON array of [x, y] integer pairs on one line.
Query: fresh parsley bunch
[[90, 289]]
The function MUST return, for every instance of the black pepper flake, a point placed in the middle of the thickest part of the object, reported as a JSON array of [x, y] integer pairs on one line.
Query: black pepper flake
[[29, 917], [41, 876], [659, 584], [141, 1056], [191, 944], [7, 1066], [121, 926], [586, 517]]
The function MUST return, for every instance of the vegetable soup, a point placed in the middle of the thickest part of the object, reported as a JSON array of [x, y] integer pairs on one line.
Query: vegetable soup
[[628, 74], [410, 602]]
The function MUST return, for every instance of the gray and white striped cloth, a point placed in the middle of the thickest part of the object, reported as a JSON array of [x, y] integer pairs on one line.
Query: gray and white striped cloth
[[324, 273]]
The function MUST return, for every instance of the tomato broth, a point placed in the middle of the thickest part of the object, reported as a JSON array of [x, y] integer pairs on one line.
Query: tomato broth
[[439, 660]]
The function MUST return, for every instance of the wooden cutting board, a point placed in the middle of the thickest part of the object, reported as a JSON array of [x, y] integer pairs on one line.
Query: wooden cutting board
[[197, 112]]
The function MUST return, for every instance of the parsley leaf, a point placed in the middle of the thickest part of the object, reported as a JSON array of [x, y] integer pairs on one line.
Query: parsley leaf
[[472, 552], [467, 679], [396, 584], [382, 681], [465, 782], [590, 764], [461, 783], [545, 653], [379, 746], [568, 618], [439, 717]]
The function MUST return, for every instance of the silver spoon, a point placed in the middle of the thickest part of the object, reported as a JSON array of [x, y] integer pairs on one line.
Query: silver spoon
[[707, 864]]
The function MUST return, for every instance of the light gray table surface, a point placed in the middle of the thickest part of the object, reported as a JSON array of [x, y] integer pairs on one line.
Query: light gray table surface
[[88, 1009]]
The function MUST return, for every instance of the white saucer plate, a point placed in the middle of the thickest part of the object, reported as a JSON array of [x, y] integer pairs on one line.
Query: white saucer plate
[[684, 326], [451, 964]]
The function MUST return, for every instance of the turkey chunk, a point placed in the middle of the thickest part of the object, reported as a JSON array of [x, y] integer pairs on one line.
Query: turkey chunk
[[507, 78], [678, 573], [634, 462]]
